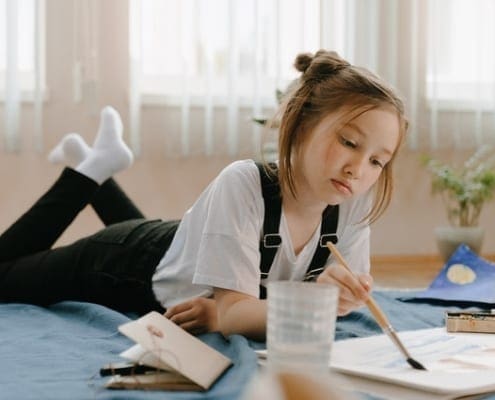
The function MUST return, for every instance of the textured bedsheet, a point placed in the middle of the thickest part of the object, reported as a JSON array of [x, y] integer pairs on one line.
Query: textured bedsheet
[[56, 352]]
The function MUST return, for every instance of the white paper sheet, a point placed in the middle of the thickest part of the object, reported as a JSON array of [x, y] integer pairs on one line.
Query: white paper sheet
[[457, 363]]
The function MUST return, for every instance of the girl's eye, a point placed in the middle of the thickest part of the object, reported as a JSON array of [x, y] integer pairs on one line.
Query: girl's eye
[[347, 142], [377, 163]]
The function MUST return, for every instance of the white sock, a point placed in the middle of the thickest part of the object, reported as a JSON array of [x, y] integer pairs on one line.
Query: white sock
[[109, 153], [72, 150]]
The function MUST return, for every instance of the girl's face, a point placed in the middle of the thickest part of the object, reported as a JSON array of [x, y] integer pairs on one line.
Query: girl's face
[[339, 163]]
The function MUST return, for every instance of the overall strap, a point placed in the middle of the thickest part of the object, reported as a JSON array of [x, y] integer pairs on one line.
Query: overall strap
[[271, 239], [328, 233]]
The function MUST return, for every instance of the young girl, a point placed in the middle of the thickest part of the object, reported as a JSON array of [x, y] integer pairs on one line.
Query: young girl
[[340, 130]]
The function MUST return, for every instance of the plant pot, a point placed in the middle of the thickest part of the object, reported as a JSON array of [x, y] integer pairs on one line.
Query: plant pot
[[450, 237]]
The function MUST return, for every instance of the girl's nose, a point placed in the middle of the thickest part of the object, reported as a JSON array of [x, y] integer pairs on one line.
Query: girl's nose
[[354, 168]]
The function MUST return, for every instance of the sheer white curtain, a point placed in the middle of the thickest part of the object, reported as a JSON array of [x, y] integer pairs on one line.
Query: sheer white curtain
[[86, 41], [460, 74], [219, 62], [21, 67], [440, 54]]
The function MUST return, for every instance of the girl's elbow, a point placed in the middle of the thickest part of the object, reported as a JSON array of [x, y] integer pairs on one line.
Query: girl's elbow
[[224, 328]]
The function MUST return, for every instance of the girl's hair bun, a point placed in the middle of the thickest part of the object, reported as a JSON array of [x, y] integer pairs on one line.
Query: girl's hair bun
[[322, 63], [303, 61]]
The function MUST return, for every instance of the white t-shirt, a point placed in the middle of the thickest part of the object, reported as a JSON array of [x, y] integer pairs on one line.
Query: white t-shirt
[[217, 241]]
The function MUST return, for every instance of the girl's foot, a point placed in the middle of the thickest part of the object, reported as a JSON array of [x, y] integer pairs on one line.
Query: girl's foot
[[71, 151], [109, 154]]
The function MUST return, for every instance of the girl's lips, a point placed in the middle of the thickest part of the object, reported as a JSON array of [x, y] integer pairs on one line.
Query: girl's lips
[[342, 187]]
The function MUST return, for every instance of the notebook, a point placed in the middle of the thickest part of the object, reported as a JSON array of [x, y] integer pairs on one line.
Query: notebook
[[182, 361]]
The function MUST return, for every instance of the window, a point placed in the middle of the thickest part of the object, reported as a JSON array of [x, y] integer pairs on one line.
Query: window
[[18, 40], [461, 54], [200, 47]]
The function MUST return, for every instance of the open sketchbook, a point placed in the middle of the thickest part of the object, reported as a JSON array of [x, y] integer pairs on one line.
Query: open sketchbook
[[181, 361], [458, 364]]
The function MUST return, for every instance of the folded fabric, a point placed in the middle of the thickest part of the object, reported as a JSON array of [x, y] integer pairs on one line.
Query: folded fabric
[[466, 279]]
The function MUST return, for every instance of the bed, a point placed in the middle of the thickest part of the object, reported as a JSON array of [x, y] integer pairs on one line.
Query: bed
[[56, 352]]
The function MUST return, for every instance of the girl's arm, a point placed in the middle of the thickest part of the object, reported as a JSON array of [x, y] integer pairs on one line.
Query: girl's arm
[[241, 314]]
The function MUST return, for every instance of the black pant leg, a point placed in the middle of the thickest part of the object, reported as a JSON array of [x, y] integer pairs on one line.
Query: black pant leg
[[39, 228], [44, 277], [112, 205], [113, 267]]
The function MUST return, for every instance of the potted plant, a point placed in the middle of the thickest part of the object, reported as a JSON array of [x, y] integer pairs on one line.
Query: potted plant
[[464, 190]]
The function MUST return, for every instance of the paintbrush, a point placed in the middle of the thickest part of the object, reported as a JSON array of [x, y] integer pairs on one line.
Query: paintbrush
[[379, 315]]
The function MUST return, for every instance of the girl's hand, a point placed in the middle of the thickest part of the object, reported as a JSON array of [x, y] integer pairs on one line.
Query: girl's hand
[[196, 316], [354, 289]]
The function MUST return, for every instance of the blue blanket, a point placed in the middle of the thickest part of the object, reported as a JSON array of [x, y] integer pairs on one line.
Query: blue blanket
[[56, 352]]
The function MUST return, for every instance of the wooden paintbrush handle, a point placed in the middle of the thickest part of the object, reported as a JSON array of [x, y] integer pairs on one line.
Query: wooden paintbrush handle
[[377, 312], [374, 308], [379, 315]]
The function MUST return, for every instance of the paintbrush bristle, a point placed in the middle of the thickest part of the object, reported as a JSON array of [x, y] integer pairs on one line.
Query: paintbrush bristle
[[416, 365]]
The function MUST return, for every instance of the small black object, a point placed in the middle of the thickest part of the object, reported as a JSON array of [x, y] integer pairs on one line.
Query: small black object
[[125, 369]]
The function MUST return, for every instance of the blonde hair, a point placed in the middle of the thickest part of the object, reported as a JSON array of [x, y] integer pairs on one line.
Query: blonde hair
[[330, 84]]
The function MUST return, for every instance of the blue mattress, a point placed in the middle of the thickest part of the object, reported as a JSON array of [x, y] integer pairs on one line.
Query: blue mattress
[[56, 352]]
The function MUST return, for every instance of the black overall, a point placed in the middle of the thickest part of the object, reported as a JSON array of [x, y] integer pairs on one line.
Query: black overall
[[271, 240], [113, 267]]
